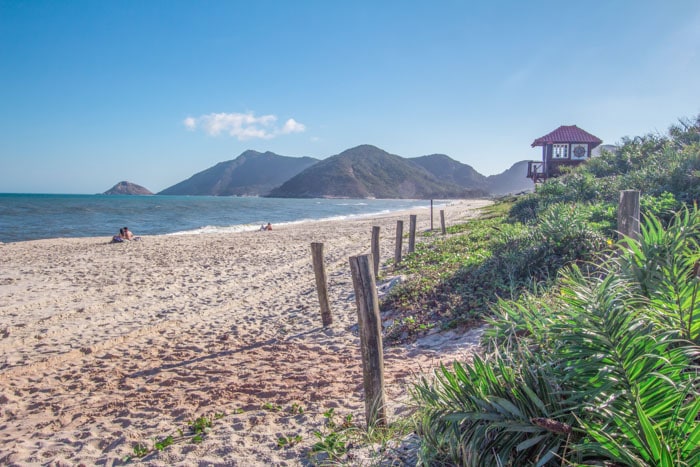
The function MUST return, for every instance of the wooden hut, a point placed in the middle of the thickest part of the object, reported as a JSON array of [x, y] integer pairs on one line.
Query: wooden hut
[[564, 147]]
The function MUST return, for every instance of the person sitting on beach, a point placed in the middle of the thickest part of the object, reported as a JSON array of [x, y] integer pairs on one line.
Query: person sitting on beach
[[263, 227], [118, 238], [128, 234], [268, 226]]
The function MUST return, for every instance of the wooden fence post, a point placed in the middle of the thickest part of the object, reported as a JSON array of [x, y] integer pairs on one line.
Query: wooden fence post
[[370, 327], [375, 250], [321, 281], [442, 221], [412, 234], [431, 215], [399, 241], [628, 214]]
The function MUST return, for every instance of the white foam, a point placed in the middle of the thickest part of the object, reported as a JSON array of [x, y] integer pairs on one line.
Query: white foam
[[213, 229]]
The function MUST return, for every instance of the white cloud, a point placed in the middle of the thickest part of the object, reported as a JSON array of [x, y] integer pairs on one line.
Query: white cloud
[[243, 126], [190, 123], [292, 126]]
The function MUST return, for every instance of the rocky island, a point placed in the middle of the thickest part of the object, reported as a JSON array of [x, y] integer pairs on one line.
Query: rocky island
[[127, 188]]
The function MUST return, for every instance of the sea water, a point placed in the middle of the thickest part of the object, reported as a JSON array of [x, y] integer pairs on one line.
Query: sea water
[[37, 216]]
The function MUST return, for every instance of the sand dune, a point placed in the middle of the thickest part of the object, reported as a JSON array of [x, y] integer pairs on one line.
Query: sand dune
[[104, 346]]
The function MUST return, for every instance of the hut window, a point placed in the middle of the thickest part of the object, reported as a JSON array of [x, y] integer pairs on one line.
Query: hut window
[[579, 151], [560, 151]]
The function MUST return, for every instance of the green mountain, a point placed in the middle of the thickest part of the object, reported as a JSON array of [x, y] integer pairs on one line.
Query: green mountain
[[449, 170], [250, 174], [369, 172], [512, 181]]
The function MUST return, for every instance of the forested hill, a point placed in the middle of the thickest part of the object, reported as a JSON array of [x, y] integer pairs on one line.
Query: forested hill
[[449, 170], [250, 174], [514, 180], [369, 172], [361, 172]]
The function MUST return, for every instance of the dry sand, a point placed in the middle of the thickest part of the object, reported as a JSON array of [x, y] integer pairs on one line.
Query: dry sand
[[104, 346]]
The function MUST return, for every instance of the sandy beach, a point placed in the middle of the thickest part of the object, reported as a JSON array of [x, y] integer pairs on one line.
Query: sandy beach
[[104, 346]]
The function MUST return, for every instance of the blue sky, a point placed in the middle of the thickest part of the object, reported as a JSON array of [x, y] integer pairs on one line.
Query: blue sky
[[92, 93]]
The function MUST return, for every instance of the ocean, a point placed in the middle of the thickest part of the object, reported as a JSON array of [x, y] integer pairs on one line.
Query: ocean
[[38, 216]]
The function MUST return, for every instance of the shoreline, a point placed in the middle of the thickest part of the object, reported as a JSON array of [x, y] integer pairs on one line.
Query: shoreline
[[109, 345], [238, 228], [156, 229]]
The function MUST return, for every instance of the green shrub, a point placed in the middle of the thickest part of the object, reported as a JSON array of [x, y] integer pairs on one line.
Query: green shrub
[[525, 209], [662, 206], [664, 270], [490, 413], [653, 164], [567, 234], [601, 372], [462, 277], [684, 181], [603, 218]]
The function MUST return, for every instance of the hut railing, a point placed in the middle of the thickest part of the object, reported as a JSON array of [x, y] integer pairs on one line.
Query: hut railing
[[535, 171]]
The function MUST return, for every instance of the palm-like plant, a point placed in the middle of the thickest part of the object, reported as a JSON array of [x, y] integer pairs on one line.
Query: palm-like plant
[[606, 374], [491, 413], [664, 268], [635, 385]]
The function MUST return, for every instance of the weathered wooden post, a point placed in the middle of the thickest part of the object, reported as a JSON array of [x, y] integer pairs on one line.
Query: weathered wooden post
[[370, 327], [321, 283], [375, 250], [412, 234], [442, 221], [628, 214], [399, 241]]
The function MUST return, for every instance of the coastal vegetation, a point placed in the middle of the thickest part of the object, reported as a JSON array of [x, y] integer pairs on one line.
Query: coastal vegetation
[[196, 431], [592, 343]]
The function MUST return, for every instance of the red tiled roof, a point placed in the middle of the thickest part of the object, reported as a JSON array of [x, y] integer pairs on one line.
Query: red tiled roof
[[567, 134]]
